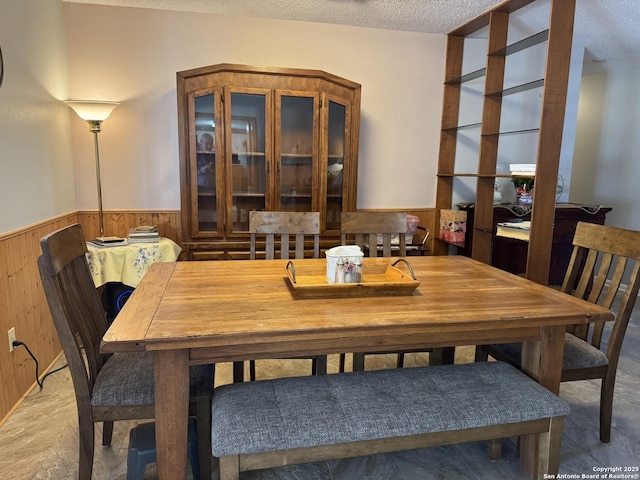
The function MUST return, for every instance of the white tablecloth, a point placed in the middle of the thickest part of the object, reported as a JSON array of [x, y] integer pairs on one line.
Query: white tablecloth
[[128, 263]]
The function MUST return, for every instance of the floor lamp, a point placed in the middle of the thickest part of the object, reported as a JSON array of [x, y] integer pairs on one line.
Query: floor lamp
[[94, 113]]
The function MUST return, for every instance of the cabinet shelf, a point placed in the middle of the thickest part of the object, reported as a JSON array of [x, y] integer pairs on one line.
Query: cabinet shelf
[[296, 195], [248, 154], [248, 194]]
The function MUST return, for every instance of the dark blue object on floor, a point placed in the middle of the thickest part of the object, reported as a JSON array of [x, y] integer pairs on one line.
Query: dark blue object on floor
[[142, 449]]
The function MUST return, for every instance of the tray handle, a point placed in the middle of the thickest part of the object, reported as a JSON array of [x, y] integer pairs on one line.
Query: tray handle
[[413, 275], [293, 270]]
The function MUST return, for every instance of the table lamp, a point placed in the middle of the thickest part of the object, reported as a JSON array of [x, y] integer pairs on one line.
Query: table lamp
[[94, 113]]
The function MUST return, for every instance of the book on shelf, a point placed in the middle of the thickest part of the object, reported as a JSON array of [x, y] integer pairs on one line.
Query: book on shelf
[[517, 230], [522, 169]]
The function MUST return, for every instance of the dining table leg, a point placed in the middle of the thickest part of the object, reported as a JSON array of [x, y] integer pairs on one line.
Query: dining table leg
[[171, 377], [542, 360]]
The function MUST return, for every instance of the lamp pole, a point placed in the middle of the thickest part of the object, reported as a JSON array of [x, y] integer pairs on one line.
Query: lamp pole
[[94, 127], [94, 113]]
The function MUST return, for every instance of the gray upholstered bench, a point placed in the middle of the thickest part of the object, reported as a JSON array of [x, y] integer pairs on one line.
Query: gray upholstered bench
[[295, 420]]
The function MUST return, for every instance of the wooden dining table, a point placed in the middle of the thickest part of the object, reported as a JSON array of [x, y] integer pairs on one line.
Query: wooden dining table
[[190, 313]]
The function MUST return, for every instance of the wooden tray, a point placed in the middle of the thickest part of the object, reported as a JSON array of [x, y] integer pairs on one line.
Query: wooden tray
[[377, 280]]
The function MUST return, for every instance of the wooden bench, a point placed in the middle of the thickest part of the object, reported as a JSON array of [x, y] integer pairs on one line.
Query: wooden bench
[[308, 419]]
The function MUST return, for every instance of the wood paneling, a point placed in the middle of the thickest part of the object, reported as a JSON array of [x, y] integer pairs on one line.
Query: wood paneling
[[23, 301], [118, 223], [25, 308]]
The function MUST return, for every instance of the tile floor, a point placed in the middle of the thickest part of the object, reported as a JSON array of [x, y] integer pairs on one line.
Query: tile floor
[[39, 440]]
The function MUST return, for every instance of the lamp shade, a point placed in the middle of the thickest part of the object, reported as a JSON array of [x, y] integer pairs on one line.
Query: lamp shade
[[92, 111]]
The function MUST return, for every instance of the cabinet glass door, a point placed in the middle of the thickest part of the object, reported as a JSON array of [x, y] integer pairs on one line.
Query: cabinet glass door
[[205, 164], [296, 152], [247, 159], [336, 148]]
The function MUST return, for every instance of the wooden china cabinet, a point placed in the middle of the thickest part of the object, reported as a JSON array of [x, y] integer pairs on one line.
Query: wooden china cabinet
[[253, 138]]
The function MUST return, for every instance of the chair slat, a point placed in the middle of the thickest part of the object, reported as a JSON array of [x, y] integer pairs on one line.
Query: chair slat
[[284, 225], [612, 252]]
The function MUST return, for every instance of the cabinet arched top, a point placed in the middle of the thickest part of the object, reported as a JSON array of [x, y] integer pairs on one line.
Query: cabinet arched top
[[295, 73]]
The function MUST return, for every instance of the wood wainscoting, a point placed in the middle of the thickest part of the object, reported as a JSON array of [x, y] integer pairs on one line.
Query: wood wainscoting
[[118, 223], [23, 301], [24, 304], [25, 308]]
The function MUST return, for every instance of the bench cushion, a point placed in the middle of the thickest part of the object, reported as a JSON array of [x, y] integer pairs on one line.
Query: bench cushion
[[310, 411]]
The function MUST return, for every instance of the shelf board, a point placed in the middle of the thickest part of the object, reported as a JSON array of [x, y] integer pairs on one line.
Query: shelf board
[[512, 132], [483, 175], [248, 194], [518, 89], [248, 154], [467, 77], [468, 126], [523, 44]]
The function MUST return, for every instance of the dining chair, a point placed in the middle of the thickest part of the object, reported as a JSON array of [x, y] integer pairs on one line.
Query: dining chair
[[107, 387], [378, 234], [286, 227], [596, 273]]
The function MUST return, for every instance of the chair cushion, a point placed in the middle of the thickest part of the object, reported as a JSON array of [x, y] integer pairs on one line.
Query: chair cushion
[[577, 353], [126, 379]]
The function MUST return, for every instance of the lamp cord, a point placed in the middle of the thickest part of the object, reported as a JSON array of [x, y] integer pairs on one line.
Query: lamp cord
[[17, 343]]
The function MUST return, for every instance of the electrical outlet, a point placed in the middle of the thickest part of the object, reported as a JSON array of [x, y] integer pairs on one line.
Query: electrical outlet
[[12, 337]]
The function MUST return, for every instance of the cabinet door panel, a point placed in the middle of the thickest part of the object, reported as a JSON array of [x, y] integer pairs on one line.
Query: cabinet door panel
[[205, 164], [335, 161], [246, 146], [297, 151]]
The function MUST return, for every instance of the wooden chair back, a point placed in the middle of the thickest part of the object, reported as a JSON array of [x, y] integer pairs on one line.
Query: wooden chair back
[[596, 273], [81, 322], [77, 312], [299, 225], [365, 227], [284, 225]]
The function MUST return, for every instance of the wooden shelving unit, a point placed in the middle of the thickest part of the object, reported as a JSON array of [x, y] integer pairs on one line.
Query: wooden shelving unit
[[558, 37]]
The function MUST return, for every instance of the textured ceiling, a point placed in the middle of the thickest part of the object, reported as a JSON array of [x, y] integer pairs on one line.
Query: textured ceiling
[[608, 28]]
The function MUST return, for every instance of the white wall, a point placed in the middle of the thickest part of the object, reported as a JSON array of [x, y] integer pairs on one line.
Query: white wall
[[606, 168], [132, 55], [36, 167]]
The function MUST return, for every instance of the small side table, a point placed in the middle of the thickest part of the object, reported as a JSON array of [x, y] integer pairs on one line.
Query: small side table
[[127, 264]]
